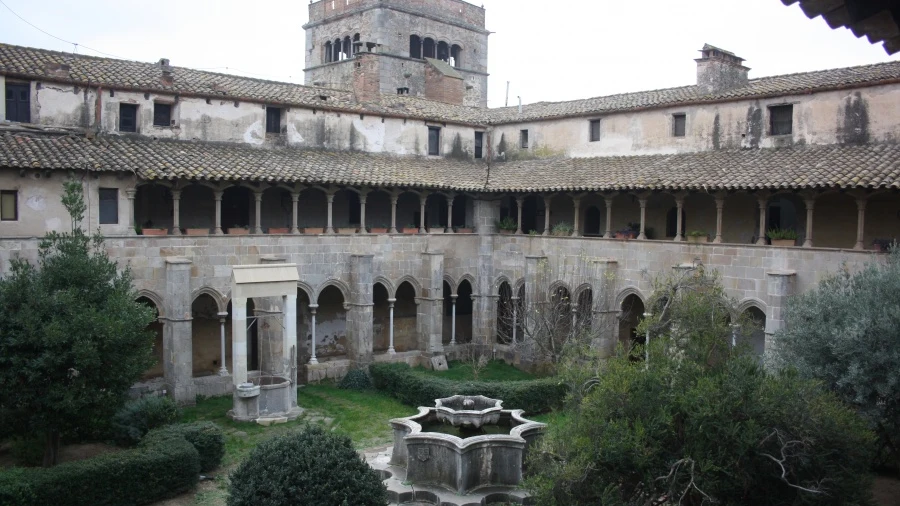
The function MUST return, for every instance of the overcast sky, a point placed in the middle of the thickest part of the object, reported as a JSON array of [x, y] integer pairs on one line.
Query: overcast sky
[[547, 50]]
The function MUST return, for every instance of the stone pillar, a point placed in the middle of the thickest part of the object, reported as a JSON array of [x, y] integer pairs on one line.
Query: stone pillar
[[329, 227], [605, 320], [763, 199], [860, 223], [514, 300], [547, 201], [362, 213], [295, 212], [270, 327], [178, 359], [453, 320], [642, 200], [720, 209], [431, 304], [536, 288], [609, 205], [576, 225], [291, 350], [423, 199], [223, 370], [131, 218], [780, 285], [360, 334], [176, 212], [449, 229], [312, 331], [810, 209], [679, 210], [239, 341], [391, 328], [519, 202], [218, 197], [484, 315], [257, 198], [394, 199]]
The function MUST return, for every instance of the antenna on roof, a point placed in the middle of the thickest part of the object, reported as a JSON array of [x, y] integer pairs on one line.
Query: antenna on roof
[[506, 104]]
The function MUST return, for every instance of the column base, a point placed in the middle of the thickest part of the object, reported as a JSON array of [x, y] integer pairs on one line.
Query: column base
[[224, 372], [313, 361]]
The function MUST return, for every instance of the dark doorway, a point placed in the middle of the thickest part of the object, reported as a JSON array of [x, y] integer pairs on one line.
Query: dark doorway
[[236, 207]]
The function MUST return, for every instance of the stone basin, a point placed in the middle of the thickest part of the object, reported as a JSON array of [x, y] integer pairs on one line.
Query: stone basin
[[469, 411], [274, 394]]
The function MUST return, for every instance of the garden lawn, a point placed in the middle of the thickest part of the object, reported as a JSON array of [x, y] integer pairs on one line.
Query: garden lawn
[[496, 370]]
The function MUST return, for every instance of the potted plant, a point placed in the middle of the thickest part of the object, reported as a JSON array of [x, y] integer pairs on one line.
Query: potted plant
[[410, 229], [196, 231], [238, 230], [782, 236], [562, 229], [139, 230], [698, 236], [463, 230], [148, 229], [436, 229], [279, 230], [381, 229], [507, 225], [348, 230], [631, 232], [883, 245]]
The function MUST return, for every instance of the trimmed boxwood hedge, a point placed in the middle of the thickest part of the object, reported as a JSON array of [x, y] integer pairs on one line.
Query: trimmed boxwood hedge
[[167, 462], [533, 396]]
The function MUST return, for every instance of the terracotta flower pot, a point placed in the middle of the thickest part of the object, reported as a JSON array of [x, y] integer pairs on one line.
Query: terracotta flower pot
[[410, 231], [279, 230], [626, 235], [461, 230], [784, 243], [238, 231], [698, 238], [347, 230], [196, 231], [378, 230], [155, 231]]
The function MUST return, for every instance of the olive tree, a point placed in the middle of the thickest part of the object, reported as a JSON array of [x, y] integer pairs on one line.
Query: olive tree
[[72, 337]]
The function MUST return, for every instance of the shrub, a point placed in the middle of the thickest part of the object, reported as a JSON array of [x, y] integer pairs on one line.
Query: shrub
[[139, 416], [533, 396], [131, 477], [310, 466], [206, 437], [782, 233], [356, 379]]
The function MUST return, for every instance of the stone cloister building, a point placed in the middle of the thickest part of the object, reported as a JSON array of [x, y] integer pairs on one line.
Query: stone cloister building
[[386, 181]]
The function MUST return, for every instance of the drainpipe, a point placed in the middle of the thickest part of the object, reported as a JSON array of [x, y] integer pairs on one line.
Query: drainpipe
[[98, 108]]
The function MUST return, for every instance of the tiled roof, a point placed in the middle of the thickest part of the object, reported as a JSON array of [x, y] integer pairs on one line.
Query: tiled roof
[[869, 166], [123, 74]]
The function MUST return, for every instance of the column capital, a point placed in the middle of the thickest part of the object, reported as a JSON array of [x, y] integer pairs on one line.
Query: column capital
[[176, 194], [218, 195], [362, 200], [394, 200], [329, 197], [257, 195], [295, 197], [131, 193]]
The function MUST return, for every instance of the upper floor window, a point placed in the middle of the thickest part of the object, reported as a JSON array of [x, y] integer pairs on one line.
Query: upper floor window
[[434, 141], [128, 117], [109, 206], [9, 205], [162, 114], [479, 144], [273, 120], [595, 130], [781, 119], [523, 139], [18, 102], [679, 121]]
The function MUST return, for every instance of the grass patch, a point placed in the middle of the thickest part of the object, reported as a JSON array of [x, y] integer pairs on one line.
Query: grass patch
[[496, 370], [363, 416]]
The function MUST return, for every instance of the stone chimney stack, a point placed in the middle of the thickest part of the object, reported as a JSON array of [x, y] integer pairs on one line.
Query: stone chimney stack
[[443, 83], [719, 70], [166, 78]]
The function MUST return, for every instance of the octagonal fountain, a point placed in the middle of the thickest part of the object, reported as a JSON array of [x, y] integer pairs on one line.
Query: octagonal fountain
[[463, 444]]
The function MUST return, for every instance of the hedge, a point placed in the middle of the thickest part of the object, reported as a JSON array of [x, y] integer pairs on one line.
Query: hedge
[[166, 463], [532, 396]]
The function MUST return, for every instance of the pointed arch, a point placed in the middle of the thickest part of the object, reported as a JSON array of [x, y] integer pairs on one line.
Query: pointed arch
[[499, 282], [337, 283], [749, 302], [412, 281], [306, 288], [465, 277], [154, 298], [451, 283], [556, 285], [630, 290], [386, 283], [580, 289], [221, 300], [518, 286]]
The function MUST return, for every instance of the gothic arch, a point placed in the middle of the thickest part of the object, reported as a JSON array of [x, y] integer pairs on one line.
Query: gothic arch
[[449, 280], [465, 277], [386, 283], [221, 300], [337, 283], [307, 289], [751, 302], [581, 289], [499, 282], [630, 290], [155, 299], [556, 285], [520, 283], [412, 281]]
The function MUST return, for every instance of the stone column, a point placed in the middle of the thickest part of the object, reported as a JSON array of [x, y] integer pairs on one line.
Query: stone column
[[360, 334], [605, 321], [176, 212], [484, 317], [609, 205], [576, 221], [860, 223], [290, 350], [514, 300], [453, 320], [362, 213], [679, 210], [391, 328], [312, 331], [239, 341], [536, 296], [131, 219], [329, 227], [431, 304], [223, 371], [257, 197], [394, 199], [178, 358], [423, 199], [810, 202], [449, 229], [547, 201], [720, 209], [642, 200], [763, 199], [295, 213], [780, 285], [519, 202], [218, 197]]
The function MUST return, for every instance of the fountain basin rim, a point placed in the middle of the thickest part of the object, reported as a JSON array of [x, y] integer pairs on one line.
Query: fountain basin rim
[[515, 436]]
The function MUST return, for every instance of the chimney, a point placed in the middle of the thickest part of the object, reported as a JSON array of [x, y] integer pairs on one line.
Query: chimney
[[443, 83], [719, 70], [166, 79], [366, 77], [57, 69]]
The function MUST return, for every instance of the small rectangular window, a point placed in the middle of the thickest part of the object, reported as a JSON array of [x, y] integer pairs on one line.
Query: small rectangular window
[[273, 120], [109, 206], [679, 121], [9, 205], [781, 119], [128, 117], [162, 114], [479, 145], [434, 141], [18, 102], [595, 130], [523, 139]]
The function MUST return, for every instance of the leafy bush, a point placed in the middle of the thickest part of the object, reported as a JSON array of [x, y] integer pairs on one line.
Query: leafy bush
[[563, 229], [139, 416], [356, 379], [782, 233], [143, 475], [306, 467], [206, 437], [508, 223], [533, 396]]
